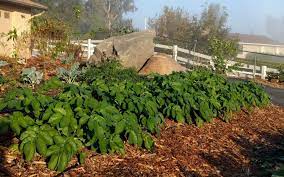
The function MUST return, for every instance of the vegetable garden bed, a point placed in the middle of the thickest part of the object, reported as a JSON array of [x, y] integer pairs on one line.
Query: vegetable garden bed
[[108, 107], [217, 149]]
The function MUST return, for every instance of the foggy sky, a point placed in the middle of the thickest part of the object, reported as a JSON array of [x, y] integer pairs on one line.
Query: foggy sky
[[261, 17], [275, 28]]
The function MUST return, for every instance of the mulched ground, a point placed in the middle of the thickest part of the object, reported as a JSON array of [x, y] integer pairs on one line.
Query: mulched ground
[[270, 84], [233, 149], [12, 72]]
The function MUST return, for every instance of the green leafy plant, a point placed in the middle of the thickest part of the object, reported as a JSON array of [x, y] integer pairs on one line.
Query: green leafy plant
[[32, 76], [69, 76], [111, 70], [4, 125], [13, 35], [281, 73], [276, 76], [278, 173], [2, 79], [51, 36], [51, 84], [3, 63], [222, 51], [271, 76]]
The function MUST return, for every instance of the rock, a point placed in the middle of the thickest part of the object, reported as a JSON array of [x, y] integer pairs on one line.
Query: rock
[[161, 64], [132, 50], [97, 57]]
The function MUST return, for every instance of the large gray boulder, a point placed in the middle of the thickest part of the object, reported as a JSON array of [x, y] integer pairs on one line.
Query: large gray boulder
[[132, 50]]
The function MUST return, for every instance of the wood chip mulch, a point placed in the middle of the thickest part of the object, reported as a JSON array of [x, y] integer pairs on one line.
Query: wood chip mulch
[[233, 149], [270, 84]]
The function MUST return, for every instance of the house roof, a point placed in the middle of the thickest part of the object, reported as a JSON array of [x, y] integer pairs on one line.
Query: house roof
[[249, 38], [26, 3]]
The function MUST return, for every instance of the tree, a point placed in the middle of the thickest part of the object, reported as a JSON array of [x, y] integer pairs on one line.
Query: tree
[[172, 23], [90, 16], [222, 51], [213, 23], [68, 11], [177, 25], [112, 10]]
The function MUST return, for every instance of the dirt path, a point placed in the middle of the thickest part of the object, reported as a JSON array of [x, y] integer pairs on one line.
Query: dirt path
[[218, 149]]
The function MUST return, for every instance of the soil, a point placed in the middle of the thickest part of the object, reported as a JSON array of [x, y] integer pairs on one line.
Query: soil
[[233, 149]]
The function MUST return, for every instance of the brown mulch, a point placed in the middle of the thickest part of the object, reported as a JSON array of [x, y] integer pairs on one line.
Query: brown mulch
[[44, 64], [270, 84], [12, 72], [217, 149], [47, 65]]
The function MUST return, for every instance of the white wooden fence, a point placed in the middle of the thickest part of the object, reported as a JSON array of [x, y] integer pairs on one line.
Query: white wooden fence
[[88, 46], [195, 59], [244, 70]]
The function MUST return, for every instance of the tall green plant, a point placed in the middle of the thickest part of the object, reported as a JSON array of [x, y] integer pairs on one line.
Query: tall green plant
[[281, 73], [13, 36], [222, 51], [50, 36]]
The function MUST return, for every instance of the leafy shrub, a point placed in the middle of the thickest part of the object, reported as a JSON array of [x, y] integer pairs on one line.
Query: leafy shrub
[[278, 76], [110, 109], [50, 36], [281, 73], [278, 173], [69, 76], [2, 79], [3, 63], [51, 84], [32, 76], [271, 75], [222, 52], [4, 125], [110, 71]]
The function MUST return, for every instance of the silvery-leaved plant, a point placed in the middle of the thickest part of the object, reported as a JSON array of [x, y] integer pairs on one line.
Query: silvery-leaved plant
[[32, 76], [69, 76], [3, 63]]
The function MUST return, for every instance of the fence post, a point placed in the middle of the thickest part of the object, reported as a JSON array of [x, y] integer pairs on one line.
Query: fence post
[[227, 67], [212, 64], [175, 52], [254, 68], [263, 72], [89, 48]]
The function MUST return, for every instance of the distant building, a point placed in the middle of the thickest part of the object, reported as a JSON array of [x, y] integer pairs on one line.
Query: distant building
[[16, 14], [258, 44]]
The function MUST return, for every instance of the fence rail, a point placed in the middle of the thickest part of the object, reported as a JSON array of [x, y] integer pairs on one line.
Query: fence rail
[[244, 70], [194, 58]]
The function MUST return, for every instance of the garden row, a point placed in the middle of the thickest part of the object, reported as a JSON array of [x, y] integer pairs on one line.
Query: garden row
[[106, 106]]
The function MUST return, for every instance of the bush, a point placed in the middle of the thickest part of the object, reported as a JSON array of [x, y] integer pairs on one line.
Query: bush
[[31, 76], [111, 70], [50, 36], [2, 79], [277, 76], [222, 51], [281, 73], [271, 76]]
